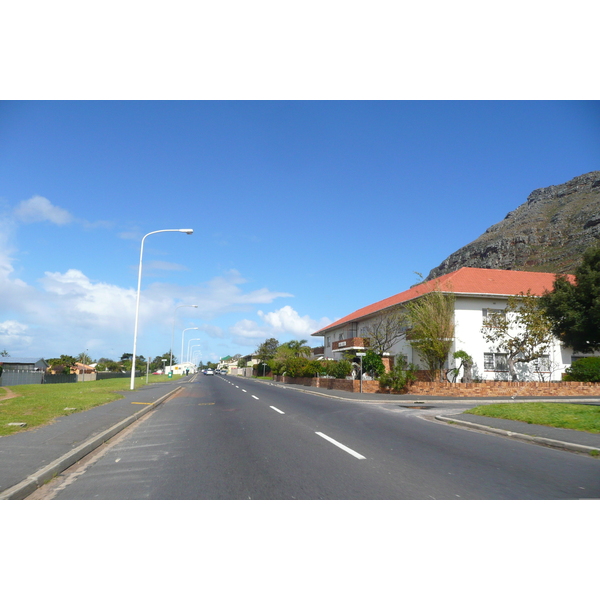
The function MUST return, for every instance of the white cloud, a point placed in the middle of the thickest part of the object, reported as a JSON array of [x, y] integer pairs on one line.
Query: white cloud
[[213, 331], [38, 209], [67, 312], [284, 322], [13, 335]]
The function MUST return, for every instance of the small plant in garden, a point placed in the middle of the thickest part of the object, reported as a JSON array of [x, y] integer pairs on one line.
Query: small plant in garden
[[400, 377]]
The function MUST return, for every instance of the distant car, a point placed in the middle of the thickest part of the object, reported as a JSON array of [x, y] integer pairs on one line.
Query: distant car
[[209, 372]]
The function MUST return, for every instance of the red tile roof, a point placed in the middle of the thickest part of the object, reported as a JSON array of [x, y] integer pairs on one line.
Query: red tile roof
[[467, 280]]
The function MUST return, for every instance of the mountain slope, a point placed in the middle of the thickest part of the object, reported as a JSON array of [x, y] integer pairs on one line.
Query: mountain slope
[[549, 232]]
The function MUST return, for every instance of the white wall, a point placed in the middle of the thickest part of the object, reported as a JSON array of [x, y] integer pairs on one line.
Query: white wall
[[468, 337]]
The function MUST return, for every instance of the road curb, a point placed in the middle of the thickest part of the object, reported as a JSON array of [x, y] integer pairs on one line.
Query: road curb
[[33, 482], [541, 441]]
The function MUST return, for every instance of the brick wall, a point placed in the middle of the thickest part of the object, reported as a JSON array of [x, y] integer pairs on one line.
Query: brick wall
[[456, 390], [346, 385], [506, 388]]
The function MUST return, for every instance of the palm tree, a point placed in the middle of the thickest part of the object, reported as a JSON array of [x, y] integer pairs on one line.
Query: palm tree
[[298, 347]]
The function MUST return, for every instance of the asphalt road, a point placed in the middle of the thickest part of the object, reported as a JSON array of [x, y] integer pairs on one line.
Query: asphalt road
[[226, 438]]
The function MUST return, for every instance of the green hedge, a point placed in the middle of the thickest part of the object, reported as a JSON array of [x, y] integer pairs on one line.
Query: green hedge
[[584, 369]]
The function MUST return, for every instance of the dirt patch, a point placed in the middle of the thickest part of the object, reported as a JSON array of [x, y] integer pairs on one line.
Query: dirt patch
[[9, 394]]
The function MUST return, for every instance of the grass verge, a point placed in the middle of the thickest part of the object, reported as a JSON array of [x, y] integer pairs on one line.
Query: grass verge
[[567, 416], [38, 405]]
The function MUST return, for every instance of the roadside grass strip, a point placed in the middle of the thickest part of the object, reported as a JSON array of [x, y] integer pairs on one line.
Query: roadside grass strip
[[345, 448], [580, 417], [35, 405]]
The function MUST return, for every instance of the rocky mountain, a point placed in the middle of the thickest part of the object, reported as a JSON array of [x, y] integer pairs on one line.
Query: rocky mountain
[[549, 232]]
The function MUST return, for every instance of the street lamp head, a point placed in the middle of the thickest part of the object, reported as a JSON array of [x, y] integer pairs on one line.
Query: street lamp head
[[188, 231]]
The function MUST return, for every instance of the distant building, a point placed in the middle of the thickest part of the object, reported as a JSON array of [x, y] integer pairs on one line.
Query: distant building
[[23, 364], [181, 369]]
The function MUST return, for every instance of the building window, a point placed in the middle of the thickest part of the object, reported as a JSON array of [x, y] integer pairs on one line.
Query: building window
[[328, 338], [341, 336], [541, 364], [488, 312], [495, 361]]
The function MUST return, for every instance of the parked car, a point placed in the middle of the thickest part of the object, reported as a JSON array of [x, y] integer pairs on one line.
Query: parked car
[[209, 372]]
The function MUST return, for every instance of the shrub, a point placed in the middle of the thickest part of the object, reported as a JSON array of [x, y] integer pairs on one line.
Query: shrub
[[584, 369], [294, 367], [400, 377], [314, 368], [277, 366], [373, 364]]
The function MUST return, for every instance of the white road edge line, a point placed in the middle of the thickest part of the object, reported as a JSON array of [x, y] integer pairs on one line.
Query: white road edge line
[[279, 411], [348, 450]]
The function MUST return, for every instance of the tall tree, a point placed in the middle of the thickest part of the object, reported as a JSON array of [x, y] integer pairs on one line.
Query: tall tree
[[574, 309], [431, 329], [298, 347], [84, 358], [386, 329], [522, 331], [267, 350], [157, 362]]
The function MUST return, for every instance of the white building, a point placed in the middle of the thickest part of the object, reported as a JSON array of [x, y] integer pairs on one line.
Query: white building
[[181, 369], [476, 292]]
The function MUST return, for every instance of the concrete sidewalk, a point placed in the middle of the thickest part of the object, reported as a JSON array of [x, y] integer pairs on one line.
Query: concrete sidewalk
[[30, 458]]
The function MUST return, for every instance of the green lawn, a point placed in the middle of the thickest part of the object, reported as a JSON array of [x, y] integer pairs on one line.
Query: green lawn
[[38, 404], [566, 416]]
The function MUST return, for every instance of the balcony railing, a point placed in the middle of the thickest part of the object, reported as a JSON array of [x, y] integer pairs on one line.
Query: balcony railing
[[354, 343]]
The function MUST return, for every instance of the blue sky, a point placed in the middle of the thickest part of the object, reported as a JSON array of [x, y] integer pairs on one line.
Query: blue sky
[[303, 211]]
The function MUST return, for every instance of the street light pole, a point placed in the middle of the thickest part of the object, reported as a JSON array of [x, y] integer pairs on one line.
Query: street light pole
[[137, 304], [173, 332], [191, 351], [188, 349], [182, 336]]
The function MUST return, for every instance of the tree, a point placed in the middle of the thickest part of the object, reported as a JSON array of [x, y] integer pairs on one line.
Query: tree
[[106, 364], [157, 363], [386, 329], [267, 350], [127, 363], [522, 331], [372, 363], [298, 347], [84, 358], [574, 309], [62, 364], [431, 329], [466, 363], [4, 353]]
